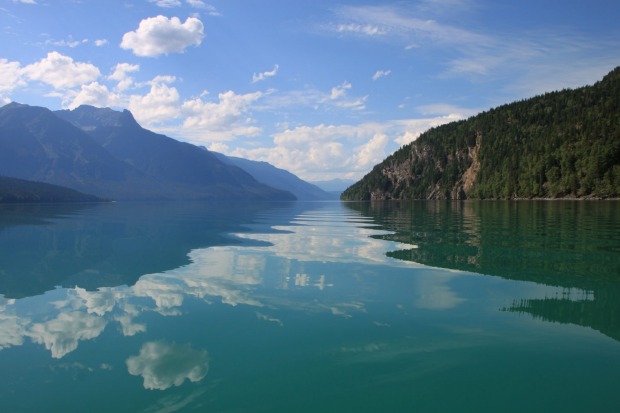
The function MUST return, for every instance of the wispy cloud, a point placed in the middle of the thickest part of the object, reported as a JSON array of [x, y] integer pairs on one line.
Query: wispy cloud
[[257, 77], [381, 73]]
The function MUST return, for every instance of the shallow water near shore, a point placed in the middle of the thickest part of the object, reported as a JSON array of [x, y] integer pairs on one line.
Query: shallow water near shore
[[311, 307]]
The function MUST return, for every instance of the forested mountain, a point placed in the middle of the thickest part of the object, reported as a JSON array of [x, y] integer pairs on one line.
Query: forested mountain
[[278, 178], [13, 190], [106, 153], [561, 144]]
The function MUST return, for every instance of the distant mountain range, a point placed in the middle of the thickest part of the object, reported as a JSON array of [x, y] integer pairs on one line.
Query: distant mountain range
[[278, 178], [108, 154], [564, 144]]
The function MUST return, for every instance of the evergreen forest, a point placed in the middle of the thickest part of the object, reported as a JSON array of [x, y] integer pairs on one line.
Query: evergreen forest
[[564, 144]]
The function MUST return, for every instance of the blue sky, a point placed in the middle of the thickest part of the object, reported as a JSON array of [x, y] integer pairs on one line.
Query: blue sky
[[324, 89]]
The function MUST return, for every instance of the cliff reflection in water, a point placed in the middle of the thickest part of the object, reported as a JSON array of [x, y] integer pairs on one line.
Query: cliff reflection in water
[[569, 244]]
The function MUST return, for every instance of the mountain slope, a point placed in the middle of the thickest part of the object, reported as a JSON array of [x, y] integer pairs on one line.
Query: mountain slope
[[13, 190], [169, 161], [561, 144], [278, 178]]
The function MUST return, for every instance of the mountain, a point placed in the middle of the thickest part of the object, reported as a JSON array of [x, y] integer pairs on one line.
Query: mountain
[[278, 178], [106, 153], [36, 145], [13, 190], [334, 185], [561, 144], [169, 161]]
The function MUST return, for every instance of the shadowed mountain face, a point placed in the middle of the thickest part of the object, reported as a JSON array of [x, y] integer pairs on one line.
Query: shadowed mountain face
[[106, 153], [37, 145], [13, 190]]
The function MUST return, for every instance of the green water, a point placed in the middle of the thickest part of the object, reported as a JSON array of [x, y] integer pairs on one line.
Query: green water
[[311, 307]]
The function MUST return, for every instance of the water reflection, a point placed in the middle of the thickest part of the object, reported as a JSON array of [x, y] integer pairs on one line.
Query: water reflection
[[163, 365], [95, 245], [569, 244], [280, 257], [264, 302]]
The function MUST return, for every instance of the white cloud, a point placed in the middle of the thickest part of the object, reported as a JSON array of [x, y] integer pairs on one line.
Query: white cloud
[[61, 71], [66, 43], [62, 334], [199, 4], [128, 327], [99, 302], [324, 151], [229, 116], [340, 90], [371, 152], [94, 94], [160, 35], [338, 97], [10, 76], [11, 330], [257, 77], [381, 73], [25, 1], [120, 74], [366, 29], [166, 3], [159, 105], [164, 365], [101, 42]]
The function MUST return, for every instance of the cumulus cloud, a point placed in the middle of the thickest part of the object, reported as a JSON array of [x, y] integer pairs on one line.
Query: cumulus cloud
[[101, 42], [228, 117], [94, 94], [11, 330], [61, 72], [320, 152], [257, 77], [62, 334], [120, 74], [164, 365], [10, 76], [159, 105], [161, 35]]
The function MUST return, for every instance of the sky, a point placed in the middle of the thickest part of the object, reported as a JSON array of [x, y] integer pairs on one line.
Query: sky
[[324, 89]]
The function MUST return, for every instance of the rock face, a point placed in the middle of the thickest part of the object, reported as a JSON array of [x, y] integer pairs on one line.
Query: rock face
[[563, 144]]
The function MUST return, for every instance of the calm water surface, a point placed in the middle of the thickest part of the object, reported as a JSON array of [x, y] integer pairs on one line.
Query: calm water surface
[[311, 307]]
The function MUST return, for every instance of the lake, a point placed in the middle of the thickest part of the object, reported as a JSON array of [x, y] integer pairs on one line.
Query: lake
[[311, 307]]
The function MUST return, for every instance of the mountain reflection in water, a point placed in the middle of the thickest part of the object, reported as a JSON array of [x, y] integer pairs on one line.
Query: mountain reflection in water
[[570, 244], [309, 307]]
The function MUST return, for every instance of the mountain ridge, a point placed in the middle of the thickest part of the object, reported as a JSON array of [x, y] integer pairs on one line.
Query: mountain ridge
[[279, 178], [107, 153]]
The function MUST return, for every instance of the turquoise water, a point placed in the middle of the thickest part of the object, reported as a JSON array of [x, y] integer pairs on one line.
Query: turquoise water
[[310, 307]]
